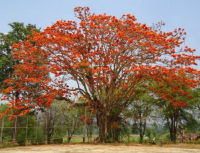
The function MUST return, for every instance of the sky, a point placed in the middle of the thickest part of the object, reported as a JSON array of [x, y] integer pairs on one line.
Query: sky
[[175, 13]]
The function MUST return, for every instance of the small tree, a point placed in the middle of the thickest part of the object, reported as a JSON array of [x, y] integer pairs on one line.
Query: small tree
[[140, 111], [174, 118]]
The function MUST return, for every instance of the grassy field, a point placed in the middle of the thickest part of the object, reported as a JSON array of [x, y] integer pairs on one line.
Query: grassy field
[[79, 138]]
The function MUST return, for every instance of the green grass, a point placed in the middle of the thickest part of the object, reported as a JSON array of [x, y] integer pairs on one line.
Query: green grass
[[78, 139], [6, 145]]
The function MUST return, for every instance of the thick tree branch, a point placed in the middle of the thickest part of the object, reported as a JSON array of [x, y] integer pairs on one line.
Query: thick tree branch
[[72, 102]]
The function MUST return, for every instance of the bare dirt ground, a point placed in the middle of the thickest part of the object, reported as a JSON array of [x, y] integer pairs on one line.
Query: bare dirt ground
[[100, 148]]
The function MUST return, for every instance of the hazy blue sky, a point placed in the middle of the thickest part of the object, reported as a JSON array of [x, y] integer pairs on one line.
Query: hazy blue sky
[[175, 13]]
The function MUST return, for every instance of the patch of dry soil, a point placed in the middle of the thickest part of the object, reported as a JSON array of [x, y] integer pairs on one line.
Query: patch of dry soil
[[88, 148]]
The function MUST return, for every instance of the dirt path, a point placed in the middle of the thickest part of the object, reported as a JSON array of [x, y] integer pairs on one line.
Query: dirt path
[[81, 148]]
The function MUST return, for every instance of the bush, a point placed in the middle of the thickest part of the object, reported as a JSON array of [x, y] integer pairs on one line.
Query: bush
[[21, 138], [40, 139], [197, 141], [165, 137]]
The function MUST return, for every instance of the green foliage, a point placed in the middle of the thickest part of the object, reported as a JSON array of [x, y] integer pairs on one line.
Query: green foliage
[[7, 135], [40, 139], [125, 131], [29, 134], [21, 138]]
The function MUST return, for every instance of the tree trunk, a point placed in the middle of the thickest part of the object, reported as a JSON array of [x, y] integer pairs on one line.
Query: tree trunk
[[141, 138], [101, 126], [103, 122], [173, 136], [106, 131], [48, 138], [142, 128], [173, 129], [142, 131], [16, 122], [15, 129], [69, 137], [70, 133]]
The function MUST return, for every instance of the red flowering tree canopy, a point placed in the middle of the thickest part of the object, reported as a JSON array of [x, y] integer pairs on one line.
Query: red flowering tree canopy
[[109, 60]]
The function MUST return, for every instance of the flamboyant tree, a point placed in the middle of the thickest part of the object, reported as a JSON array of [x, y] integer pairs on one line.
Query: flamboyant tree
[[109, 59], [18, 33]]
